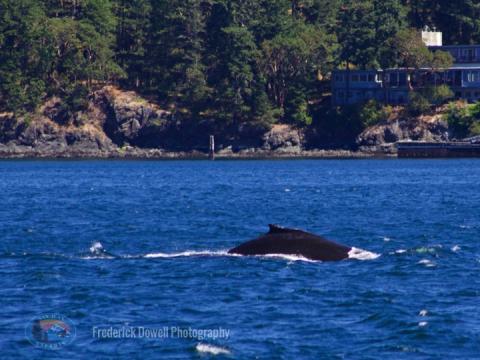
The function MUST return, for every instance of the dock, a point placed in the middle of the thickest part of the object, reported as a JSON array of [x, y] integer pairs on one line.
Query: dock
[[454, 149]]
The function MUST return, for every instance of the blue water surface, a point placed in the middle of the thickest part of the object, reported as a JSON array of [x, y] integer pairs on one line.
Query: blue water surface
[[170, 222]]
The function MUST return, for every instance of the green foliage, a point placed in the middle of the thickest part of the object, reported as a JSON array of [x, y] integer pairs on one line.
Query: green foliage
[[365, 29], [417, 104], [474, 128], [463, 119], [373, 113], [410, 49], [289, 62], [22, 58], [441, 60], [438, 95], [337, 127], [49, 49], [223, 65], [459, 20], [76, 98]]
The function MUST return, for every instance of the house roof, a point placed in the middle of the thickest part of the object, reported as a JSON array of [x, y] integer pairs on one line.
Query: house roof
[[454, 46], [473, 66]]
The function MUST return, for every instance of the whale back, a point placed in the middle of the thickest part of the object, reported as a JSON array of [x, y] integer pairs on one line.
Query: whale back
[[286, 241]]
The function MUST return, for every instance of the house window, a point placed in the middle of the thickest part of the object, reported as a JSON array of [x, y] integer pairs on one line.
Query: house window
[[363, 78], [355, 78], [340, 95], [339, 78], [402, 79], [371, 78], [473, 76]]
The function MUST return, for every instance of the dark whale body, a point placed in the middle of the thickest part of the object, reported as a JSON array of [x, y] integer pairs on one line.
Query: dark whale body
[[285, 241]]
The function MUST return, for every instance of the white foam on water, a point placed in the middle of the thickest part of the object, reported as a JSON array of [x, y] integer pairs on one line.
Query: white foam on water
[[211, 349], [401, 251], [96, 248], [359, 254], [286, 257], [97, 251], [422, 323], [222, 253], [355, 253], [456, 248], [387, 239], [423, 313], [187, 254], [427, 263]]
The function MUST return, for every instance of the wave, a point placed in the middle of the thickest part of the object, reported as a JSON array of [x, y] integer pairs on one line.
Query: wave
[[98, 252], [187, 254], [211, 349], [427, 263], [286, 257], [359, 254], [456, 248], [223, 253]]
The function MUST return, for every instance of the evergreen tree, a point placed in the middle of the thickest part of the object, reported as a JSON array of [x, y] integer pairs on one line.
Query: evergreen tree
[[133, 26], [290, 62], [23, 56], [82, 44], [176, 52], [356, 34]]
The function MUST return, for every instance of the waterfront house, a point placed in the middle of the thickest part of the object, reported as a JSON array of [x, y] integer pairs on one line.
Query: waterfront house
[[392, 86]]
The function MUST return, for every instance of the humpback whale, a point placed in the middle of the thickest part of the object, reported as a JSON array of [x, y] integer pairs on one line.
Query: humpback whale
[[284, 241]]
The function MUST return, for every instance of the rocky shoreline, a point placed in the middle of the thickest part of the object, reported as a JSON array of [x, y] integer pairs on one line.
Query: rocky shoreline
[[23, 152], [120, 124]]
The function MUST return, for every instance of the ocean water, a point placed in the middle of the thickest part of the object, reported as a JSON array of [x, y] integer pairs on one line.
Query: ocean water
[[142, 245]]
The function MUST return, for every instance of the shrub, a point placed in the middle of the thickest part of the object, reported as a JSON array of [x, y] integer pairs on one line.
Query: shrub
[[462, 119], [474, 129], [439, 95], [417, 104], [373, 113], [475, 110]]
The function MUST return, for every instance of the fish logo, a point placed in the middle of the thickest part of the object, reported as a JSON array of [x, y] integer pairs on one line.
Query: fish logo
[[50, 331]]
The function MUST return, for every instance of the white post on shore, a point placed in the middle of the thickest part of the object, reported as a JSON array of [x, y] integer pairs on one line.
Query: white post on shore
[[212, 148]]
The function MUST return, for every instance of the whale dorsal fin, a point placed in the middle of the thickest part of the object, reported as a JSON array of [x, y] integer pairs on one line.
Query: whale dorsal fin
[[277, 229]]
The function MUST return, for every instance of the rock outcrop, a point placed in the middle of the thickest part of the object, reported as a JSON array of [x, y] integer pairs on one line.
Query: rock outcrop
[[284, 139], [381, 138], [131, 119], [118, 123], [114, 124]]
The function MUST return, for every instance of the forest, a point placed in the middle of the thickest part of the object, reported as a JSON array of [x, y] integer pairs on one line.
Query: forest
[[223, 66]]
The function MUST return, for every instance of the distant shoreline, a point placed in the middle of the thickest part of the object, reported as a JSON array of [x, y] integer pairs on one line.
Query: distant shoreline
[[156, 154]]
